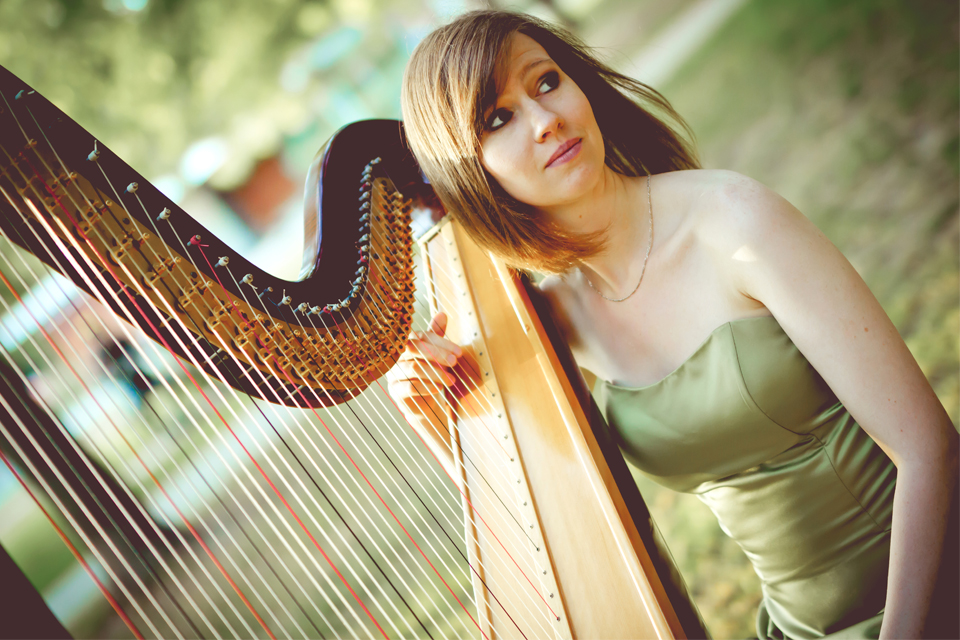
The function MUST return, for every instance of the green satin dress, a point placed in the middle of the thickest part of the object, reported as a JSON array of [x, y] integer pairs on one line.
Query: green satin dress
[[748, 425]]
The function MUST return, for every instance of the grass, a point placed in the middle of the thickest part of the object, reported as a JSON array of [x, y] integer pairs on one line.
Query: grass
[[850, 110]]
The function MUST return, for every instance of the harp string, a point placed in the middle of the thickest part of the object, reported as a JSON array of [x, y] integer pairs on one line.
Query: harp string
[[70, 518], [180, 470], [247, 300], [473, 510], [216, 450], [123, 484], [120, 199], [179, 362], [389, 274], [161, 487], [359, 470], [373, 437], [290, 449], [73, 550], [492, 592], [303, 466], [259, 409], [108, 266], [276, 471], [216, 391], [489, 409], [362, 423]]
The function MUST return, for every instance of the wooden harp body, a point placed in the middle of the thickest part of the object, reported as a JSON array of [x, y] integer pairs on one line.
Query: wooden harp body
[[545, 534], [529, 419]]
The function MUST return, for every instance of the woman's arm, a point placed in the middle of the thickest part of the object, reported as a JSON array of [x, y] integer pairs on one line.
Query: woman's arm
[[773, 254]]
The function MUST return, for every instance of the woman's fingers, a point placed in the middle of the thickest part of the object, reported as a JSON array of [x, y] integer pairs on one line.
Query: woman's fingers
[[422, 370], [422, 349], [426, 344], [438, 324]]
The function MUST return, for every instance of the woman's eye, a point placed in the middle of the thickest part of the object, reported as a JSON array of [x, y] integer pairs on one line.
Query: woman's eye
[[549, 82], [498, 118]]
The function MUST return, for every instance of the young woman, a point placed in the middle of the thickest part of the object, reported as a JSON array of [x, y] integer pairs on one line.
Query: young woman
[[739, 355]]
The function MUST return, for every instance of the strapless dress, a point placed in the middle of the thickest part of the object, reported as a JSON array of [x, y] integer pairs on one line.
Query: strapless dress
[[748, 426]]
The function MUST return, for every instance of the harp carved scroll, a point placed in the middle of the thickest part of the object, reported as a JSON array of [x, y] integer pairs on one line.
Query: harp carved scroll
[[537, 532]]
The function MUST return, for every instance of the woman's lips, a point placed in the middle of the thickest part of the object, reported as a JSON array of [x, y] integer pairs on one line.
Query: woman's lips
[[566, 152]]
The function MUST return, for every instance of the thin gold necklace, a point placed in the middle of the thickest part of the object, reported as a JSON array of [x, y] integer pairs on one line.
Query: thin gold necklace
[[644, 267]]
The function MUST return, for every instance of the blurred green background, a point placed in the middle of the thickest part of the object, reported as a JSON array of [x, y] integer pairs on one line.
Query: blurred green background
[[849, 108]]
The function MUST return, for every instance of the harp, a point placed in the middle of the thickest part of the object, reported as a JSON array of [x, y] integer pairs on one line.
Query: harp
[[255, 478]]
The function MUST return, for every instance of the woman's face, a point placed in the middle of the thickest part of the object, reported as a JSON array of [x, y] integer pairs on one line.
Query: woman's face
[[540, 140]]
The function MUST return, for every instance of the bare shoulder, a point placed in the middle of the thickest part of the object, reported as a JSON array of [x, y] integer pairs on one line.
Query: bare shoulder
[[730, 209], [564, 301]]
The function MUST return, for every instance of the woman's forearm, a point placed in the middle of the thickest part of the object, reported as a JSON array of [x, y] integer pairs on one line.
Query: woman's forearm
[[924, 494]]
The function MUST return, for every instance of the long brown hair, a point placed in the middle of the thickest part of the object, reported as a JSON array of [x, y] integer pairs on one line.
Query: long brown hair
[[448, 81]]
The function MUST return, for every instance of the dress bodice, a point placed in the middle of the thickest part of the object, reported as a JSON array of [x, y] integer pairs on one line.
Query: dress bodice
[[750, 427]]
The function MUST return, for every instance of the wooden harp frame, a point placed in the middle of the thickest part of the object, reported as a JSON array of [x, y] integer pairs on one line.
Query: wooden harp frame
[[598, 554], [602, 570]]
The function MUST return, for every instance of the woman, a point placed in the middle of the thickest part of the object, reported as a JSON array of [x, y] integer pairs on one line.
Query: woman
[[666, 279]]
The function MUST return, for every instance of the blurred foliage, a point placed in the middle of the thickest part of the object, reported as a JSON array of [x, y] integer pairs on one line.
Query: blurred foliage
[[155, 79]]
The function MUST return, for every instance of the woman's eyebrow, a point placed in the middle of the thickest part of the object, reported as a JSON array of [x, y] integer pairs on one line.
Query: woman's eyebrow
[[529, 67]]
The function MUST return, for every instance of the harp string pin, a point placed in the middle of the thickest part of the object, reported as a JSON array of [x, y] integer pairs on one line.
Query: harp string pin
[[303, 307], [247, 279], [224, 261], [132, 187], [164, 214]]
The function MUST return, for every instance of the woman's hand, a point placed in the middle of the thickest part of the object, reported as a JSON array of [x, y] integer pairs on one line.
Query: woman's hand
[[419, 380], [425, 367]]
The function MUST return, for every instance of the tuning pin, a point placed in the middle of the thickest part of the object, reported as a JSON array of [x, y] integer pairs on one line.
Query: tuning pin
[[303, 307], [94, 155], [315, 310], [364, 196], [164, 214], [286, 300], [132, 187], [224, 261], [247, 279]]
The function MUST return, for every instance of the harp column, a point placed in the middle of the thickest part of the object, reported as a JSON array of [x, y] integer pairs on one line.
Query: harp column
[[543, 499]]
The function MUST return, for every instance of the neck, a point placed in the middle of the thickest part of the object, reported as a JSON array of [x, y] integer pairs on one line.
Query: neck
[[618, 207]]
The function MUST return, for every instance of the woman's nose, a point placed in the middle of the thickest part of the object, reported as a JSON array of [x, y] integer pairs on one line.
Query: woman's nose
[[545, 122]]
